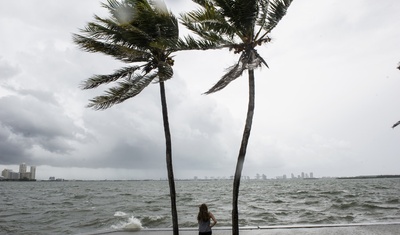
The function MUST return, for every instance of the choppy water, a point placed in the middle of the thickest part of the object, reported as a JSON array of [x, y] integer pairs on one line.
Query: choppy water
[[88, 206]]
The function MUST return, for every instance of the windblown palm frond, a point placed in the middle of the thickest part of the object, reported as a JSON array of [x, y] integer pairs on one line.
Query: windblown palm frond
[[250, 60], [234, 72], [191, 43], [123, 53], [396, 124], [240, 25], [136, 31], [122, 91], [209, 24], [276, 11], [98, 80]]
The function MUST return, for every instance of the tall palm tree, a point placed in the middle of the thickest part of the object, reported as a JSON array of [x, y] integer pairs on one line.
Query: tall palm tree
[[138, 33], [241, 26]]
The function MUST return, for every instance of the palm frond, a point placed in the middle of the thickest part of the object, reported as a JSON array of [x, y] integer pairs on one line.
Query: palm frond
[[190, 43], [244, 16], [262, 18], [233, 72], [134, 23], [137, 31], [259, 60], [98, 80], [276, 10], [123, 91], [202, 3], [130, 34], [396, 124], [208, 23], [248, 60], [119, 52]]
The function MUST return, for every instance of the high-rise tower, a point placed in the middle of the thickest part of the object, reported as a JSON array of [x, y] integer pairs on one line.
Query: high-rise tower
[[33, 172], [22, 168]]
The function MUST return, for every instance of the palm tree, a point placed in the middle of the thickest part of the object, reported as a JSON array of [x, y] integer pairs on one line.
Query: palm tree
[[241, 26], [137, 33]]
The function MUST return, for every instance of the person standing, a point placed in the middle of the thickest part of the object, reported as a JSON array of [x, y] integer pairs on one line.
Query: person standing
[[204, 219]]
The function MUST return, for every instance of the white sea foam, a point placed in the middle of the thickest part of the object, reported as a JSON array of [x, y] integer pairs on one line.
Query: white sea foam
[[120, 214], [133, 224]]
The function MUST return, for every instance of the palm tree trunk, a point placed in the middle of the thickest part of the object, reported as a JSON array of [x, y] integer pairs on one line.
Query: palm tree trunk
[[169, 160], [242, 154]]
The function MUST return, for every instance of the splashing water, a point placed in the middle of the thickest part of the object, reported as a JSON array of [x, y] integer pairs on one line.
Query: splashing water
[[133, 224]]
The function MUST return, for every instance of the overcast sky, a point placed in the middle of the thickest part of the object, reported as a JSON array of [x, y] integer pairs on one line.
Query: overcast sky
[[326, 105]]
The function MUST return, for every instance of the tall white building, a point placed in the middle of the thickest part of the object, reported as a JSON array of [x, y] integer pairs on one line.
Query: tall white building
[[22, 168], [33, 172]]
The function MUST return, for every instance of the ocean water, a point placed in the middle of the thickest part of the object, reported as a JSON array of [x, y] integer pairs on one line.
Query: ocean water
[[84, 207]]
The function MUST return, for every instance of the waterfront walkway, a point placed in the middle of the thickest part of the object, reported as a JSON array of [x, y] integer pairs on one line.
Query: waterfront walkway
[[338, 229]]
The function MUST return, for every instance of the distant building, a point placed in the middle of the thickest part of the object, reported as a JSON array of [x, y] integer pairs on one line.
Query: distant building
[[6, 173], [13, 175], [25, 176], [22, 174], [10, 174], [264, 177], [33, 172], [22, 168]]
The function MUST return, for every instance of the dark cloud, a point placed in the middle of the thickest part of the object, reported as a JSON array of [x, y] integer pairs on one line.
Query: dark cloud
[[12, 148], [327, 97], [36, 121]]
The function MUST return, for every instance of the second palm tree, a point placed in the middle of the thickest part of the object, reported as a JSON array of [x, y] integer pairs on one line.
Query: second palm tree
[[240, 25]]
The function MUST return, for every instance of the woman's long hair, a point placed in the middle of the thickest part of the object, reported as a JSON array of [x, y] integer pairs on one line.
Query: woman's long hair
[[203, 213]]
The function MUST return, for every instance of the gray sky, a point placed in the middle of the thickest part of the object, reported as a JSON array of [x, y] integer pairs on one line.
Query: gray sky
[[326, 105]]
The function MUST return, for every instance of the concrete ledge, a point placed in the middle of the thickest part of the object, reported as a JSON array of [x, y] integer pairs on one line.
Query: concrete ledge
[[326, 229]]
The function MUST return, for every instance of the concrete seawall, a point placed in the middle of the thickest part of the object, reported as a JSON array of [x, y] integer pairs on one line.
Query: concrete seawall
[[334, 229]]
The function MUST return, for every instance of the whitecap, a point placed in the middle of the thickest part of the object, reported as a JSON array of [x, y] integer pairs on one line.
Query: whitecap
[[120, 214], [133, 224]]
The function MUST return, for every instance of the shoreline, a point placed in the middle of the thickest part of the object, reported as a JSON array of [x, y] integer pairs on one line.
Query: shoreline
[[207, 180], [384, 228]]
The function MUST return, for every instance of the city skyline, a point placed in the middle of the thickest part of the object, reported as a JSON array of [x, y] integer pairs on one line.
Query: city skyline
[[22, 174]]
